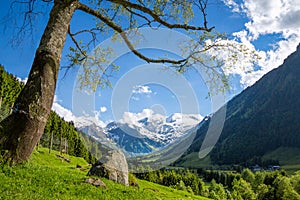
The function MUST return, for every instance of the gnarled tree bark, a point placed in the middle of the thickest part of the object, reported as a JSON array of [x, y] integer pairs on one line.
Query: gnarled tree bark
[[21, 131]]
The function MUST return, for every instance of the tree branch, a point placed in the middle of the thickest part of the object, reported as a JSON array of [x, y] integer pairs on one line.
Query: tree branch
[[76, 43], [123, 34], [202, 7], [157, 18], [148, 21]]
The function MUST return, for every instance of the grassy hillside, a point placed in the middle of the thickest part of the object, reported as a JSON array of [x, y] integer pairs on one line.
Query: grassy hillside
[[289, 158], [263, 118], [192, 161], [46, 176]]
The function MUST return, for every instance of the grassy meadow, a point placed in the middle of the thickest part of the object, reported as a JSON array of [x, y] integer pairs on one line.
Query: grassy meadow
[[46, 176]]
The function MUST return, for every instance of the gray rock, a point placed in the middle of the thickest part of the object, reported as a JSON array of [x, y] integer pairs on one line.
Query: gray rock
[[95, 182], [112, 166]]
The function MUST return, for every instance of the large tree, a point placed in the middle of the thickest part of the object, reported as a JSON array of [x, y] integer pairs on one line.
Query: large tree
[[22, 129]]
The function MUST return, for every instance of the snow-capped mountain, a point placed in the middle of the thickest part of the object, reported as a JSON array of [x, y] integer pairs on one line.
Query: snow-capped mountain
[[85, 121], [143, 132]]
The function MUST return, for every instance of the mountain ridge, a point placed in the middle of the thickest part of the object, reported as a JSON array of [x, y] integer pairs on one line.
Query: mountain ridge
[[142, 135], [259, 120]]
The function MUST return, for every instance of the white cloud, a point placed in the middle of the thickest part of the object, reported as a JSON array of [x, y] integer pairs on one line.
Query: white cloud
[[268, 17], [22, 80], [232, 4], [277, 16], [79, 121], [134, 118], [63, 112], [271, 59], [142, 89], [103, 109]]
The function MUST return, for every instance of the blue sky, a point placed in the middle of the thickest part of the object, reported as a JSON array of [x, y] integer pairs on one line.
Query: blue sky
[[271, 28]]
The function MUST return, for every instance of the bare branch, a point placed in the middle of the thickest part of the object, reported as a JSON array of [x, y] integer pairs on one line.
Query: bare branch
[[28, 10], [202, 7], [158, 19], [123, 34], [91, 31], [76, 44], [148, 21]]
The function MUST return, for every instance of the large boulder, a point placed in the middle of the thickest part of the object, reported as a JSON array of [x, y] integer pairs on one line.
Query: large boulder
[[112, 166]]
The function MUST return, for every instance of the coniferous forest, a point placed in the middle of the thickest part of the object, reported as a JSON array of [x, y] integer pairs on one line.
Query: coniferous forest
[[59, 134]]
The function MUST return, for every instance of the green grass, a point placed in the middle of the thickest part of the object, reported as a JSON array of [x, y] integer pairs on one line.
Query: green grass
[[289, 158], [285, 155], [192, 160], [47, 177]]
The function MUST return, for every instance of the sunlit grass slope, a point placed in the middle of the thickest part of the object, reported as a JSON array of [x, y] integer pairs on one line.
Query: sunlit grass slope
[[46, 176]]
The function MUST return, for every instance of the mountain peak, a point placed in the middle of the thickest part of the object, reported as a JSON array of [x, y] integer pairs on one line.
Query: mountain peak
[[147, 131], [144, 121], [176, 117]]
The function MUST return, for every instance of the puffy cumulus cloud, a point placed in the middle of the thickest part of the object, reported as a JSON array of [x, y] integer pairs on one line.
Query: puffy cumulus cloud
[[142, 89], [79, 121], [268, 59], [233, 5], [62, 112], [267, 17], [103, 109], [272, 59], [133, 118]]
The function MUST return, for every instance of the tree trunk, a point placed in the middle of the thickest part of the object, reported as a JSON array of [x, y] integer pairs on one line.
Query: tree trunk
[[21, 131]]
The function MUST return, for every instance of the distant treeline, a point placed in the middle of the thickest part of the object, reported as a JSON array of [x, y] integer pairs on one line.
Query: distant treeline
[[179, 179], [58, 134], [223, 185]]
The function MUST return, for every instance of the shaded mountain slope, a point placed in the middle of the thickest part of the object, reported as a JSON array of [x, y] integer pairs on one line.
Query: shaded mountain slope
[[263, 118]]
